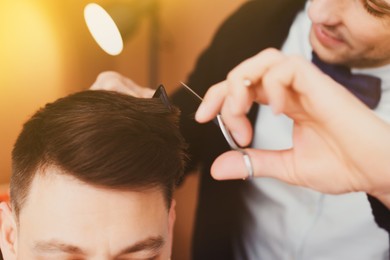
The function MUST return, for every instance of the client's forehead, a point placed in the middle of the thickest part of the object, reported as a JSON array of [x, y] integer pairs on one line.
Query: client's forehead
[[52, 184], [59, 207]]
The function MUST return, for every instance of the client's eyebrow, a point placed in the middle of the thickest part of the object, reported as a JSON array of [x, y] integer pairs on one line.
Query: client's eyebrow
[[55, 246], [153, 244]]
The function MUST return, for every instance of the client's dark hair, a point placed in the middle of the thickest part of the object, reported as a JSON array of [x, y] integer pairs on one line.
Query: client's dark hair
[[104, 139]]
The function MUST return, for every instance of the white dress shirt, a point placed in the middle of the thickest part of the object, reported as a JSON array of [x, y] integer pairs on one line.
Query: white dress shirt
[[289, 222]]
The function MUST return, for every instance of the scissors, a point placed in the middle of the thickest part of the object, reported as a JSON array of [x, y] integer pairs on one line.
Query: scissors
[[229, 138]]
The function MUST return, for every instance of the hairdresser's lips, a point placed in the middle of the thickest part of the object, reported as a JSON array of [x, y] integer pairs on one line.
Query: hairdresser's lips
[[327, 38]]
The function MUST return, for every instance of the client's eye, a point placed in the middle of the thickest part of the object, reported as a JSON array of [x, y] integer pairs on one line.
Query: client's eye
[[371, 10], [75, 258], [156, 257]]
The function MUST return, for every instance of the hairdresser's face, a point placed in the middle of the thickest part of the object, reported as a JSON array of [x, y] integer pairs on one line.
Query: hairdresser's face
[[351, 32], [65, 219]]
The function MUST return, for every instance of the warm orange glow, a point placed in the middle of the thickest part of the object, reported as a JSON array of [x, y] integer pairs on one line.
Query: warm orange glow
[[30, 69], [103, 29], [29, 51]]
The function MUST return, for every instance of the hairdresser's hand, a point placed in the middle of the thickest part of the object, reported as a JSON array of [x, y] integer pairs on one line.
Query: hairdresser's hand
[[339, 145], [114, 81]]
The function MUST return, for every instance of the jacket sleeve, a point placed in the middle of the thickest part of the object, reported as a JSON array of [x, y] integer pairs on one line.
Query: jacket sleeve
[[381, 213]]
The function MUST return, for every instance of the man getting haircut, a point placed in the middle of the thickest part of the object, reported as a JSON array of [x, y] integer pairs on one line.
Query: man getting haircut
[[92, 178]]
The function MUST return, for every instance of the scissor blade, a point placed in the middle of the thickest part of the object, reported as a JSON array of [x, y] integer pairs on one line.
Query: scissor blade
[[219, 122], [215, 120], [228, 137], [191, 90]]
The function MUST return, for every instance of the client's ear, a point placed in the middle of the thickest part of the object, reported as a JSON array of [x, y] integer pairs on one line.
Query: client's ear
[[171, 223], [172, 217], [7, 232]]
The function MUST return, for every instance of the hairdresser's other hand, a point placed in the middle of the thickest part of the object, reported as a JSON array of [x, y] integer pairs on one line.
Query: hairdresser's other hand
[[110, 80], [332, 152]]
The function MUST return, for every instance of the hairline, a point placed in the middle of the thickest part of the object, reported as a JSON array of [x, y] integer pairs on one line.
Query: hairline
[[44, 171]]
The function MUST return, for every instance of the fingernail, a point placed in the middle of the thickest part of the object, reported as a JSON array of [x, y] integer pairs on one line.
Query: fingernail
[[237, 138], [247, 83], [200, 113]]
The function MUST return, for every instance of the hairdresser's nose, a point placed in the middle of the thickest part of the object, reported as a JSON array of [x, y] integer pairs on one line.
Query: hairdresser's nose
[[327, 12]]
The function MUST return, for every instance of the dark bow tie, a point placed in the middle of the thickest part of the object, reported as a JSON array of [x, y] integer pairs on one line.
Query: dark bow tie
[[365, 87]]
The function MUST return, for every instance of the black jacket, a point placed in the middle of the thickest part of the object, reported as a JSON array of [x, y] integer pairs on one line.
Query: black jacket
[[255, 26]]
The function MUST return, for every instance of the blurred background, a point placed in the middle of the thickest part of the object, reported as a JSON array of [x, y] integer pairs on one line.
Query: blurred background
[[47, 52]]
